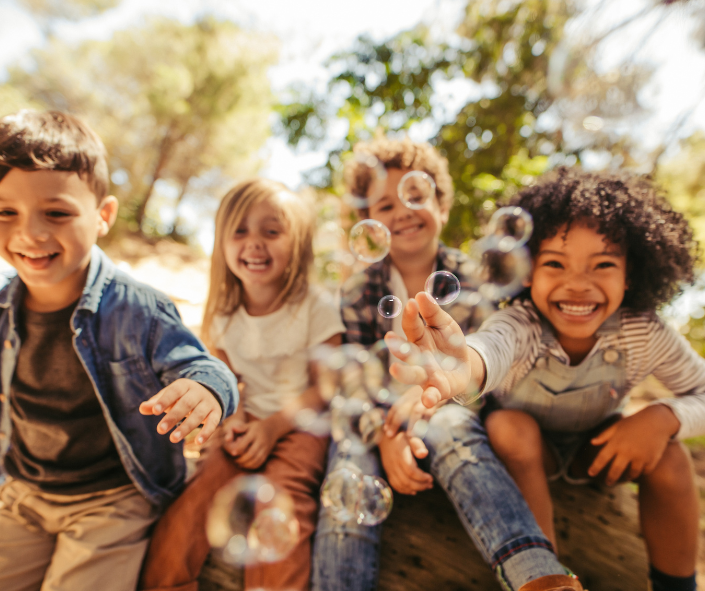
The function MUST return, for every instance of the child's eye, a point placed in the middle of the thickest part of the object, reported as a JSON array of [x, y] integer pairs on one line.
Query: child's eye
[[58, 214], [240, 231], [6, 213], [605, 265], [553, 264]]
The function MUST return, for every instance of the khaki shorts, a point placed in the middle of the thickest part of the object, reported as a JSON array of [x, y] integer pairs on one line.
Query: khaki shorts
[[86, 542]]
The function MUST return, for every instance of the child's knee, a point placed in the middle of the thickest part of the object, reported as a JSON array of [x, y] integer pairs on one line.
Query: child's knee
[[674, 471], [514, 435]]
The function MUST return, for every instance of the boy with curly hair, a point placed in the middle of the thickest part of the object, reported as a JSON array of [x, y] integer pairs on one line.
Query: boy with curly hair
[[491, 508], [557, 364]]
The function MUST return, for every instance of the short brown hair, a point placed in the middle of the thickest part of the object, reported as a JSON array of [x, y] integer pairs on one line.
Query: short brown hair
[[52, 140], [401, 154]]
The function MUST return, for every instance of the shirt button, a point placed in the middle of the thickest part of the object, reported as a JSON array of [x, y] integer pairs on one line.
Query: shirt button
[[3, 398], [610, 356], [2, 436], [8, 344], [540, 363]]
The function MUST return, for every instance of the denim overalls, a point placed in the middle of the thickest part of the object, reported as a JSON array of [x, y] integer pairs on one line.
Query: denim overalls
[[568, 401]]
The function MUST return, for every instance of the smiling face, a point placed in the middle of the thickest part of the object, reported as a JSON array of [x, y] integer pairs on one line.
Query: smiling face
[[578, 281], [414, 231], [49, 220], [259, 251]]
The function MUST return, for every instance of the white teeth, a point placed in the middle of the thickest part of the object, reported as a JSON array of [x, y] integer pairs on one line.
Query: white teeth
[[577, 310], [408, 230], [36, 256]]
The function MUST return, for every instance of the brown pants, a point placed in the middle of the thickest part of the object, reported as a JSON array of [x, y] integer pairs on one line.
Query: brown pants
[[179, 546]]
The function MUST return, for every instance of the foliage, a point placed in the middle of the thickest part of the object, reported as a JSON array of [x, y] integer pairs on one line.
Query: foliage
[[68, 9], [172, 102], [524, 113]]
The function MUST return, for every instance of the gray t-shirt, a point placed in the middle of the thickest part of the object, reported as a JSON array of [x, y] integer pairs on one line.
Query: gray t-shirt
[[60, 440]]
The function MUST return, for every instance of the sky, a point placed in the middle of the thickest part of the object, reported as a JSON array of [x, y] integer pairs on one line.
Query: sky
[[311, 30]]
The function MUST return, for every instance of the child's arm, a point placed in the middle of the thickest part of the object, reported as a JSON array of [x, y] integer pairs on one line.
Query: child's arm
[[431, 333], [200, 389]]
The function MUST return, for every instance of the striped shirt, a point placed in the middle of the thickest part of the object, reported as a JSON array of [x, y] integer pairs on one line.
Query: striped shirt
[[509, 343]]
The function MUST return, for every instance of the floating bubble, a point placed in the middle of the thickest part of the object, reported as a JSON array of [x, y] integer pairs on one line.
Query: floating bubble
[[511, 222], [415, 189], [443, 287], [366, 178], [375, 502], [341, 491], [389, 306], [350, 495], [496, 272], [251, 521], [370, 241]]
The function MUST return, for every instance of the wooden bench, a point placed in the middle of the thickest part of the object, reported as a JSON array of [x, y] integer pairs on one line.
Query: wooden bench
[[424, 546]]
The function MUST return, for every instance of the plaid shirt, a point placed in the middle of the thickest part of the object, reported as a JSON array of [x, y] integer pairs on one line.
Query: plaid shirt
[[361, 294]]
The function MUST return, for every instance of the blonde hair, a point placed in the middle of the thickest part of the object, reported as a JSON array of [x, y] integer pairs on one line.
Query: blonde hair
[[225, 293], [401, 154]]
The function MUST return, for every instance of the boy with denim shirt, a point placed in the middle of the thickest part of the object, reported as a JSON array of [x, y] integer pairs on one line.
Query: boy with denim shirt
[[455, 451], [87, 353]]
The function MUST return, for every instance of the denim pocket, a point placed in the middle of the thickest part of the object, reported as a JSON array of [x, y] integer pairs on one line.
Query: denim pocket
[[134, 381]]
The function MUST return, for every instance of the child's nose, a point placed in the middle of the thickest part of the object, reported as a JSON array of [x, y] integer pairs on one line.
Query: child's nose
[[34, 230], [578, 282]]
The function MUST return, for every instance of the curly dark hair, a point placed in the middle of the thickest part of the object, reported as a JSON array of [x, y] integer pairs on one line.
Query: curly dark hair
[[629, 210]]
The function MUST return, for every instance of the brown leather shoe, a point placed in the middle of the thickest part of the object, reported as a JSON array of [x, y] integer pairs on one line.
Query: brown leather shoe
[[553, 583]]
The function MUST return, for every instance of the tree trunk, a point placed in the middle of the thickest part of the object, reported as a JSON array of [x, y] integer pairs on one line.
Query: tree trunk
[[424, 545], [164, 150]]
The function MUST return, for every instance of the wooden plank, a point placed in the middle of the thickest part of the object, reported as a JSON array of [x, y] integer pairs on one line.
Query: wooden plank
[[424, 545]]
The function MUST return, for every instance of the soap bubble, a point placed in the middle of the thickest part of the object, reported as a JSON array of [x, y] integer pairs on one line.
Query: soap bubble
[[514, 223], [340, 492], [389, 306], [443, 287], [366, 178], [376, 500], [415, 189], [350, 495], [497, 270], [370, 240], [251, 521]]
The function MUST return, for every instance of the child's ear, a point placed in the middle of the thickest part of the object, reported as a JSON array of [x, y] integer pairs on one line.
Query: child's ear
[[107, 214]]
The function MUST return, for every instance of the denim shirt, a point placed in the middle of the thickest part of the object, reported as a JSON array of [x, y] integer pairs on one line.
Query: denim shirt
[[132, 343]]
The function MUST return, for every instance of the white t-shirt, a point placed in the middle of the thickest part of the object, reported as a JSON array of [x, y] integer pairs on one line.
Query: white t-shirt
[[271, 353]]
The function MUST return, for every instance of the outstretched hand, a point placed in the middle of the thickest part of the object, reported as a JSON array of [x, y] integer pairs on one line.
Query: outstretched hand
[[187, 401], [434, 338]]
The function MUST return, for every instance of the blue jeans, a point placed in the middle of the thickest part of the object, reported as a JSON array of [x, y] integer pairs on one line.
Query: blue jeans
[[488, 503]]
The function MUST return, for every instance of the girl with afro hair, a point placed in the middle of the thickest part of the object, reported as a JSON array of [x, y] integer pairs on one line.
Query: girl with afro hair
[[556, 365]]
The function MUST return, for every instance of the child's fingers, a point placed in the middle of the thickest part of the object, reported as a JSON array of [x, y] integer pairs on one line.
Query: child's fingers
[[240, 445], [399, 347], [411, 322], [411, 375], [210, 424], [605, 436], [603, 458], [619, 465], [431, 397], [167, 397], [418, 447], [431, 312], [193, 420]]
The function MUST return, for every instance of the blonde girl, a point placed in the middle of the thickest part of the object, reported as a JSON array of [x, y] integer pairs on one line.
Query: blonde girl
[[261, 318]]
